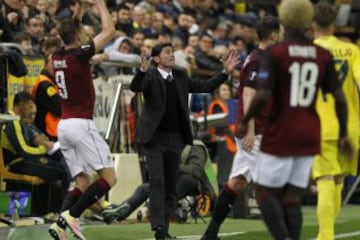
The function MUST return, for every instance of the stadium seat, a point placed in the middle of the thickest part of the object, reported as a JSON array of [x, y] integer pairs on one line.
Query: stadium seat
[[6, 175]]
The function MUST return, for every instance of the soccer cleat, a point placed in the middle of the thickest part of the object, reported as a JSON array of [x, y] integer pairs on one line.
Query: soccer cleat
[[72, 223], [115, 212], [57, 232]]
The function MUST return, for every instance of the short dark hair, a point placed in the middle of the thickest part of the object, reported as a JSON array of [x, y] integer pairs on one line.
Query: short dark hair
[[22, 97], [68, 28], [267, 26], [22, 36], [156, 50], [325, 14]]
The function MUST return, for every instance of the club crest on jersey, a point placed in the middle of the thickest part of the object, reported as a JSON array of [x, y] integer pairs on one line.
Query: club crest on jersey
[[85, 47], [253, 75]]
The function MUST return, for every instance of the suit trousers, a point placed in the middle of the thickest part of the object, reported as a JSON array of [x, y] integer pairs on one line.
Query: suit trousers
[[163, 155]]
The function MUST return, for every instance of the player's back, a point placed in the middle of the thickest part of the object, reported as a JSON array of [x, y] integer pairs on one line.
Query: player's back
[[347, 62], [295, 69], [73, 78]]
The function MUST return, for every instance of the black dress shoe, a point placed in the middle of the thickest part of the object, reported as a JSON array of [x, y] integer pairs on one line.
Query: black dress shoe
[[160, 233]]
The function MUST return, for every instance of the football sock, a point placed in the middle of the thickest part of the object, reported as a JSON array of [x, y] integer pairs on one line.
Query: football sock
[[273, 216], [223, 206], [92, 194], [293, 218], [326, 209], [337, 198], [70, 199]]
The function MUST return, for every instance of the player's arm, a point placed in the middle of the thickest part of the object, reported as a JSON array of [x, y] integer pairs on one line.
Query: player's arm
[[345, 144], [332, 84], [265, 83], [249, 138], [107, 27]]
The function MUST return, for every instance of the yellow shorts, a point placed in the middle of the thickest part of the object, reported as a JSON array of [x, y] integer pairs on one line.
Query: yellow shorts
[[330, 162]]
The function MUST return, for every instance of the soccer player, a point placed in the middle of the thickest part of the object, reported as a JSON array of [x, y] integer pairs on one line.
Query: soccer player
[[291, 72], [331, 166], [84, 149], [269, 32]]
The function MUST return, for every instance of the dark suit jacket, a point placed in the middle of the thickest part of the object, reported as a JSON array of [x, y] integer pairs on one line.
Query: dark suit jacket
[[152, 86]]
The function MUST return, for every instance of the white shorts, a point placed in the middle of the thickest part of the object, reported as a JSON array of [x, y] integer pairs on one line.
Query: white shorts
[[244, 161], [83, 147], [275, 171]]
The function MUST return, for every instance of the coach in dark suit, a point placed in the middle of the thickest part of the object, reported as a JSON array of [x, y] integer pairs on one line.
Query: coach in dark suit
[[164, 125]]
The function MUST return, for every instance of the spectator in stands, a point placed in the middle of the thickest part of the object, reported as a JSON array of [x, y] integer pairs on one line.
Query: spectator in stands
[[194, 178], [331, 166], [124, 24], [157, 23], [185, 21], [91, 15], [290, 143], [25, 148], [24, 40], [193, 40], [137, 40], [121, 50], [48, 102], [35, 27], [221, 33], [11, 12], [269, 32], [138, 14], [223, 136], [49, 44], [205, 57], [164, 132]]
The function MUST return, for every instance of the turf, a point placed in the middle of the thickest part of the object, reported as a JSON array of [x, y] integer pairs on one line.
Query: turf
[[239, 229]]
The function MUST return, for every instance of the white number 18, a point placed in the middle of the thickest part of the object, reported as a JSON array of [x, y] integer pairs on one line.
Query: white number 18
[[303, 83]]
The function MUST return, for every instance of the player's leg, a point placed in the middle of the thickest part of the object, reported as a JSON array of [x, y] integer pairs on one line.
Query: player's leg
[[339, 182], [291, 202], [272, 174], [325, 167], [326, 207], [223, 205], [239, 177]]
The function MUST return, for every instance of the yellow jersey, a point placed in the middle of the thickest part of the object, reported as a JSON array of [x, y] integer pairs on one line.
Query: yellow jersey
[[347, 64]]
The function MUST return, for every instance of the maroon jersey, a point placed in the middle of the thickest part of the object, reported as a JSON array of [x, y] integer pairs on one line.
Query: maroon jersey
[[294, 70], [73, 78], [248, 78]]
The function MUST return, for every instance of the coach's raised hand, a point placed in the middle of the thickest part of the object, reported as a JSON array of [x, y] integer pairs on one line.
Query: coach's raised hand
[[231, 61], [146, 59]]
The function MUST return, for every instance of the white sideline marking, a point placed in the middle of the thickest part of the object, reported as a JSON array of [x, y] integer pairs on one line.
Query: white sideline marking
[[344, 235], [197, 237]]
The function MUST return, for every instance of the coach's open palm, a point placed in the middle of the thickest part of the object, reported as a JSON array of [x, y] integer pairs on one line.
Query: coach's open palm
[[145, 59], [230, 62], [346, 147]]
